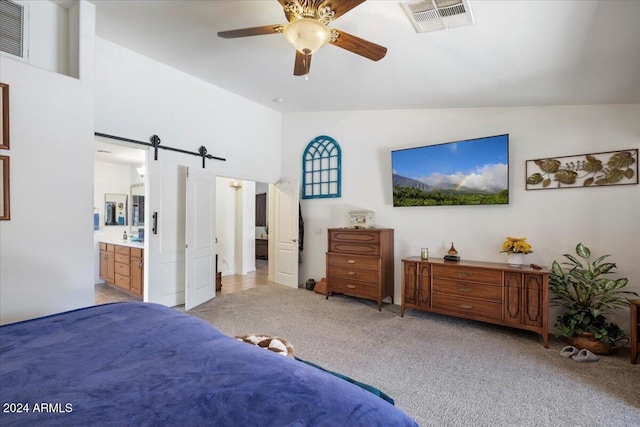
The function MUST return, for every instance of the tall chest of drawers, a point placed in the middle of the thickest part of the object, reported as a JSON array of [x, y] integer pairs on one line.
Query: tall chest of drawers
[[489, 292], [360, 263]]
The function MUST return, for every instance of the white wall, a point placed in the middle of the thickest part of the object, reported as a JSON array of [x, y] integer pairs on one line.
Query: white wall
[[605, 219], [46, 262], [137, 97], [51, 36]]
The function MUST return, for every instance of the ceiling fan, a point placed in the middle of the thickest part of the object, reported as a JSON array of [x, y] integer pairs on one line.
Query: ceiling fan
[[308, 31]]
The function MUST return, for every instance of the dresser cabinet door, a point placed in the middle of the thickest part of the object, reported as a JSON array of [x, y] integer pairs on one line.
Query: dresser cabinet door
[[416, 282], [513, 297], [532, 306], [137, 274], [107, 266], [410, 283], [523, 299], [424, 286]]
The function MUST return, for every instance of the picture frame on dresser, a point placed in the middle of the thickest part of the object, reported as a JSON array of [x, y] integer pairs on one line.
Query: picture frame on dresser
[[4, 116], [5, 212]]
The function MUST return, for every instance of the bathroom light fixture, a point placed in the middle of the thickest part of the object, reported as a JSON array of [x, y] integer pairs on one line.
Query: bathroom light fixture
[[141, 171], [236, 184]]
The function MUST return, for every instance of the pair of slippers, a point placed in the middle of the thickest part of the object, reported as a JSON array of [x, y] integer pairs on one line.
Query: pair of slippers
[[583, 355]]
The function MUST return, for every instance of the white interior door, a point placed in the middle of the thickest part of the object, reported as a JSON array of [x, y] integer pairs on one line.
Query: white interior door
[[165, 264], [200, 240], [286, 233]]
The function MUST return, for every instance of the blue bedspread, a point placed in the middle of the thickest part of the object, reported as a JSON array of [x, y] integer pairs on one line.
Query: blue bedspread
[[144, 364]]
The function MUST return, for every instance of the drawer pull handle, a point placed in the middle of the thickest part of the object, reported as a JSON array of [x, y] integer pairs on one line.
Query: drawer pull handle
[[465, 306], [351, 261], [351, 286], [464, 274], [465, 289], [351, 273]]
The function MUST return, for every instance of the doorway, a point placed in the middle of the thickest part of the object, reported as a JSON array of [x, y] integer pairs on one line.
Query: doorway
[[119, 164], [119, 182], [242, 234]]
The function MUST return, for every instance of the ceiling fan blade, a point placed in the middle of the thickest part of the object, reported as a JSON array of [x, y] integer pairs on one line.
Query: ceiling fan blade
[[302, 65], [360, 46], [340, 7], [253, 31]]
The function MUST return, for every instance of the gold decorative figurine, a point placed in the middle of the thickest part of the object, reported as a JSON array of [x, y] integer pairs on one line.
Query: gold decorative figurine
[[452, 254]]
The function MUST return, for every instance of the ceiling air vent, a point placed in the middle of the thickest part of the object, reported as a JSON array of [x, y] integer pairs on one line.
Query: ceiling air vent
[[12, 29], [432, 15]]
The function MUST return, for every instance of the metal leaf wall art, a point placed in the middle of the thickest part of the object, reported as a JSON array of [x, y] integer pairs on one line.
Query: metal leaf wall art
[[583, 170]]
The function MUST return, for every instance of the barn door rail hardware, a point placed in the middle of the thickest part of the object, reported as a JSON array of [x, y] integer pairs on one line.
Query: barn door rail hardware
[[155, 143]]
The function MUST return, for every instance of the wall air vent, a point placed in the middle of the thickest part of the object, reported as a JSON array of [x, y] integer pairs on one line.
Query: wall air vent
[[13, 19], [432, 15]]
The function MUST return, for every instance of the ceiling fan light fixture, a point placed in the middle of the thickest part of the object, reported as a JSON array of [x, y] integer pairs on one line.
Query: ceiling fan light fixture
[[307, 35]]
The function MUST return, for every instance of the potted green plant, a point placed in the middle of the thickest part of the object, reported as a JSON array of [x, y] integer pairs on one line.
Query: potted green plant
[[588, 295]]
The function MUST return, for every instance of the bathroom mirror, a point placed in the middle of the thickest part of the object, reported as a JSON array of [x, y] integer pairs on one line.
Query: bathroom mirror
[[137, 205], [115, 209]]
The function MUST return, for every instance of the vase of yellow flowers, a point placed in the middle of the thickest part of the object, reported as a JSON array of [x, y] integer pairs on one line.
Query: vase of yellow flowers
[[516, 248]]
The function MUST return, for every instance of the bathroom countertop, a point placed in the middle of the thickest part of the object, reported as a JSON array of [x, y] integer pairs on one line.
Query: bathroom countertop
[[123, 243]]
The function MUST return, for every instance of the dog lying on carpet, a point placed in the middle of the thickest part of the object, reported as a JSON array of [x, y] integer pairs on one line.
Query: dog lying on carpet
[[276, 344]]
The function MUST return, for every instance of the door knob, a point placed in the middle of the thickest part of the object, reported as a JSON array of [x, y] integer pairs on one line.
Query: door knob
[[294, 240]]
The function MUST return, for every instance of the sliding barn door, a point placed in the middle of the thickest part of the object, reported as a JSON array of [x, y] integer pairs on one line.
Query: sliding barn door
[[200, 240], [165, 268]]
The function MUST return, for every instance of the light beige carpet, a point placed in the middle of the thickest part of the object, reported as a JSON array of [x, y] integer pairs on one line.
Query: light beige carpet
[[442, 371]]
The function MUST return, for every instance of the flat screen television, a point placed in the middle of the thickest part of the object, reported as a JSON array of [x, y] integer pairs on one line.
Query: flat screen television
[[468, 172]]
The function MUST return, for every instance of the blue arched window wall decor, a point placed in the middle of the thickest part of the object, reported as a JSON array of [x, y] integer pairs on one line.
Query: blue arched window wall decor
[[321, 174]]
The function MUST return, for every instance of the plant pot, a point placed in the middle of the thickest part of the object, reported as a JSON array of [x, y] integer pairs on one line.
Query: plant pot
[[587, 341], [515, 259]]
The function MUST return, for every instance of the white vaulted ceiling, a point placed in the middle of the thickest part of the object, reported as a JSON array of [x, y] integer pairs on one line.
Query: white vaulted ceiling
[[518, 53]]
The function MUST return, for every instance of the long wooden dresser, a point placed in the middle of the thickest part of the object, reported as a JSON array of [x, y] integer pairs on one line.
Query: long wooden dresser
[[488, 292], [360, 263]]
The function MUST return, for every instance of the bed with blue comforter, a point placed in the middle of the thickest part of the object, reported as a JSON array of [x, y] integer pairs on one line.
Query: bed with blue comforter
[[141, 364]]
